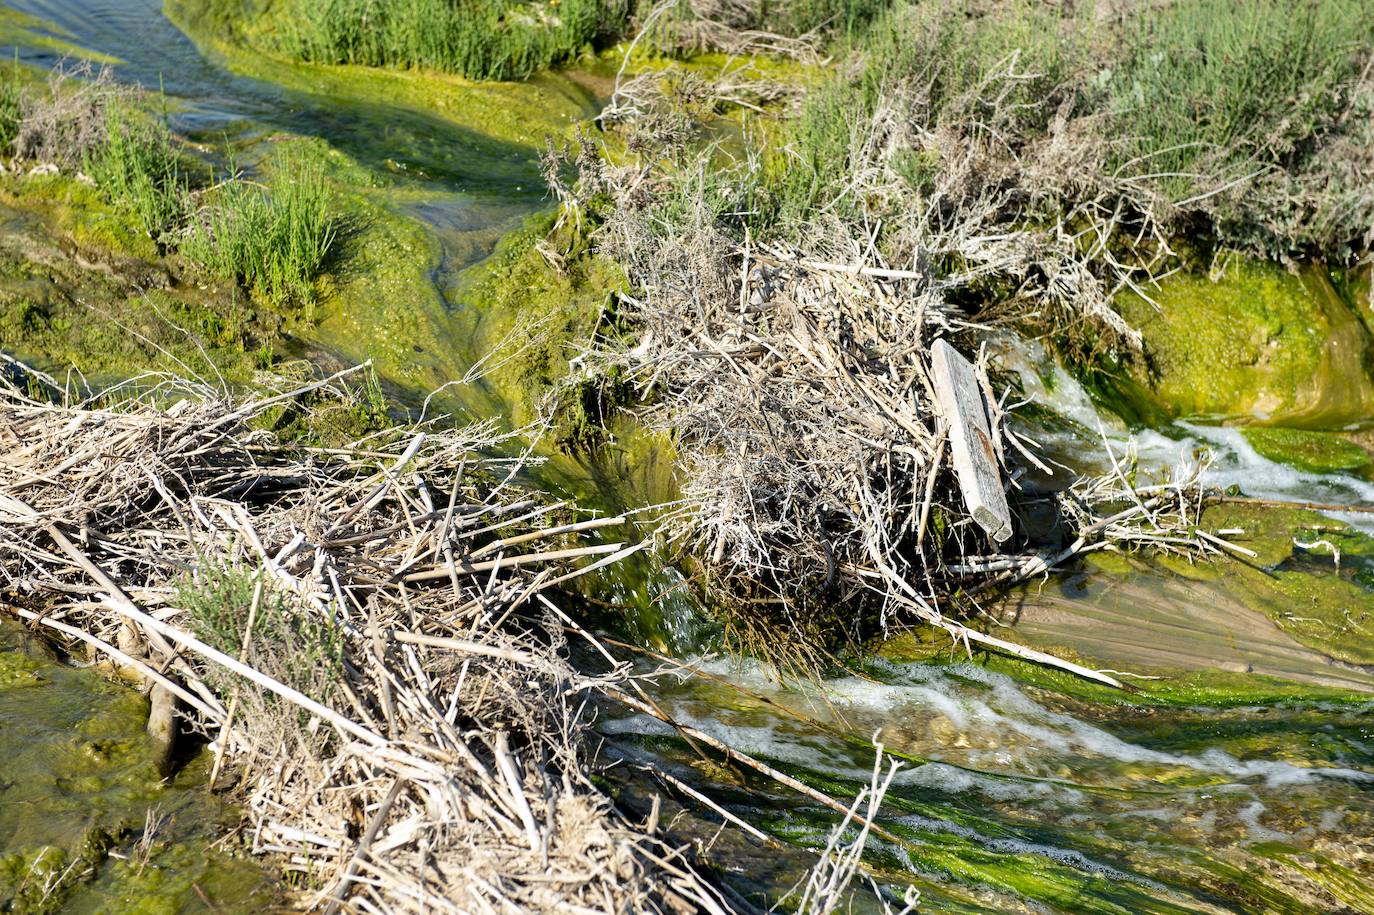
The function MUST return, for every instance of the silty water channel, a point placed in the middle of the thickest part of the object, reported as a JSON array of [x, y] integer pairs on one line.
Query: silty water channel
[[1244, 785]]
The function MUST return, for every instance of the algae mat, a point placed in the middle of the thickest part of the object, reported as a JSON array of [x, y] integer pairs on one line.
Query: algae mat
[[87, 821]]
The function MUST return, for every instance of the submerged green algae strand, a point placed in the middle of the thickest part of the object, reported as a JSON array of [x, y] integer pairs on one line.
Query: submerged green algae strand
[[87, 821], [1021, 793]]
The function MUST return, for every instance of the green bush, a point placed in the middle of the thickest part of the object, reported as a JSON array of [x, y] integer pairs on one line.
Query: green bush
[[287, 642], [136, 167], [274, 239], [478, 39]]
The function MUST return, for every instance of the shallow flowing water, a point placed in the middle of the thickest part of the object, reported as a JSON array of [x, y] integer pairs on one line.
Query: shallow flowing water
[[87, 821], [1248, 790]]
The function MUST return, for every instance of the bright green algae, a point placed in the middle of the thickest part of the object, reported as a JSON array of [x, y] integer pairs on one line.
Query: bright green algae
[[1318, 452], [1258, 343], [77, 292], [395, 261], [1023, 787], [80, 789], [18, 28]]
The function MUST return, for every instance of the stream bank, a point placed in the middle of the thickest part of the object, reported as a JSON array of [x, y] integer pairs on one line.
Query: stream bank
[[1083, 808]]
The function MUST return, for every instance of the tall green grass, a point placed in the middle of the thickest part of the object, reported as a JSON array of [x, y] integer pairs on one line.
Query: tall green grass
[[478, 39], [1180, 104], [1204, 86], [137, 168], [274, 239], [11, 109]]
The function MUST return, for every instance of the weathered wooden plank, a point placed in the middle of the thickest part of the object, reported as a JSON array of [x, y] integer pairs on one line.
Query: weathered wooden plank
[[970, 440]]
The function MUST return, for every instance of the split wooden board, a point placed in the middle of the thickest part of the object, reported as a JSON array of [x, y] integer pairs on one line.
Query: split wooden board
[[970, 440]]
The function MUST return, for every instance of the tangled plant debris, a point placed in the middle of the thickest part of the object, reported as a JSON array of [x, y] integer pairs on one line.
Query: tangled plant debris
[[952, 183], [369, 635]]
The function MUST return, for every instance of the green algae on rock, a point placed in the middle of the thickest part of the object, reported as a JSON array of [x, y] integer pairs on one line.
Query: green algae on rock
[[87, 821], [1257, 344], [1318, 452], [546, 286]]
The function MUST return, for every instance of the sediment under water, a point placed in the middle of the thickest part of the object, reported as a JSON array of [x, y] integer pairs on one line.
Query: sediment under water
[[1020, 792]]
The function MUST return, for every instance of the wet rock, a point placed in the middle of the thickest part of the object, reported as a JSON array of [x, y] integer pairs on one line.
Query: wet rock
[[1255, 344]]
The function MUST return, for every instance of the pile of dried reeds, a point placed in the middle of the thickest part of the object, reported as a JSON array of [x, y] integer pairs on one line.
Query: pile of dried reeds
[[816, 472], [366, 633]]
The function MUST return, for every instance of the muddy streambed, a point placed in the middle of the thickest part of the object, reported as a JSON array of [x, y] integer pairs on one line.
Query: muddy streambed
[[1239, 778]]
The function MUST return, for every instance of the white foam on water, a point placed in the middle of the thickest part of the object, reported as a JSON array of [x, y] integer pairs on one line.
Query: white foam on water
[[1331, 820], [1239, 464], [638, 724], [1249, 816], [954, 780], [990, 710], [1236, 462]]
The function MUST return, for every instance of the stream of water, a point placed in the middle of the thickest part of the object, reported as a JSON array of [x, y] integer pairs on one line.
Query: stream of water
[[1020, 792]]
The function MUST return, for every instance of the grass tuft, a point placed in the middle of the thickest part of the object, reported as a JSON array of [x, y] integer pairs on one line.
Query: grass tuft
[[11, 110], [274, 239], [220, 601], [137, 169], [501, 39]]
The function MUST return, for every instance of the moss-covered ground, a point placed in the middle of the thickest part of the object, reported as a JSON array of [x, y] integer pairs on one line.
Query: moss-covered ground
[[80, 290], [1317, 452], [1256, 343], [538, 296]]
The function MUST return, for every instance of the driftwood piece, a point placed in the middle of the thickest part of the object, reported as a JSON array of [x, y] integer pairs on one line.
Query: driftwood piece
[[971, 446]]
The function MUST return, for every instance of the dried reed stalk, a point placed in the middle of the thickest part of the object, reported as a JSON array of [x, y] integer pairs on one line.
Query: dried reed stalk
[[408, 730]]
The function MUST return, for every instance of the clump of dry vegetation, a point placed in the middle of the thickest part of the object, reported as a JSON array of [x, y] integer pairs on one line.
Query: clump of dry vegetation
[[369, 634], [962, 172]]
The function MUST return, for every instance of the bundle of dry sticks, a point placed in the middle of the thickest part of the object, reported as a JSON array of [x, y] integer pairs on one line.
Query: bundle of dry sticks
[[368, 635], [814, 454]]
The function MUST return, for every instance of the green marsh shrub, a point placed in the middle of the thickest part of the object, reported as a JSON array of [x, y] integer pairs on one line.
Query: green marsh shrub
[[274, 240]]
